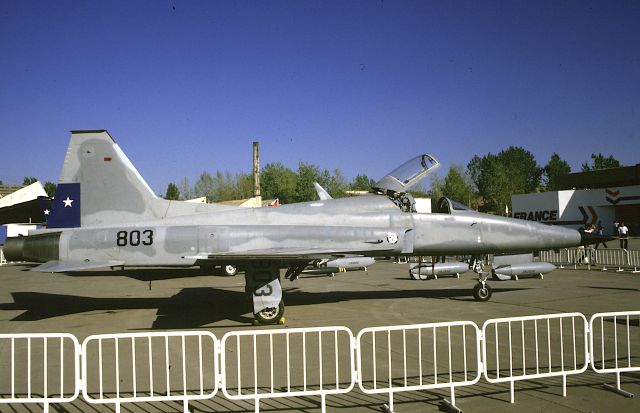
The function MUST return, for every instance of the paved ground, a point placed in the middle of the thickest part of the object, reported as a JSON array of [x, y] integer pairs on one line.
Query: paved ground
[[142, 300]]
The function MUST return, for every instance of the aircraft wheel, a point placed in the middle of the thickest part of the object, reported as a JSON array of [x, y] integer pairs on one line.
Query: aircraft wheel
[[230, 270], [482, 293], [270, 315]]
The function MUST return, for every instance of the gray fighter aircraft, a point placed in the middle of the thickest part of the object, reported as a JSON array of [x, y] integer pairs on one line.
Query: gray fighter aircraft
[[105, 215]]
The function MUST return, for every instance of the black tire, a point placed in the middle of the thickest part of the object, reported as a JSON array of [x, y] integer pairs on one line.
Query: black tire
[[482, 294], [229, 270], [270, 315]]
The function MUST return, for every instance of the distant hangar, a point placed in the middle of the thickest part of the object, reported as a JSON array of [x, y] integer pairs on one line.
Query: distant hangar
[[594, 197]]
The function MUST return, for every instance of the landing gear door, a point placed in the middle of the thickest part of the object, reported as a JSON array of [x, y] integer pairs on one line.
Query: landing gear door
[[401, 179]]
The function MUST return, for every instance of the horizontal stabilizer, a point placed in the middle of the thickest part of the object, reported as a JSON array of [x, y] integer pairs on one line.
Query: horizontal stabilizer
[[65, 266]]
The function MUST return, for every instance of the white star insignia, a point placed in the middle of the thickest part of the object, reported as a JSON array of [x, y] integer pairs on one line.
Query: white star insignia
[[46, 212], [67, 202]]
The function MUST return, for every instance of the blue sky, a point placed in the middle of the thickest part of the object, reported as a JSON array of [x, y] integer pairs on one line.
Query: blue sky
[[186, 86]]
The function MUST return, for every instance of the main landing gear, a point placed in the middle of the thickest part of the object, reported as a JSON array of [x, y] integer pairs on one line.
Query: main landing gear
[[263, 286], [263, 283], [481, 291]]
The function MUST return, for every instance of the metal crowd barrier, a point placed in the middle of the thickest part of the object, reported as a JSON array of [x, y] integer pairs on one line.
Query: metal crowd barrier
[[606, 258], [124, 368], [634, 260], [559, 257], [418, 357], [3, 261], [266, 364], [523, 348], [39, 368], [612, 257], [263, 364], [615, 344]]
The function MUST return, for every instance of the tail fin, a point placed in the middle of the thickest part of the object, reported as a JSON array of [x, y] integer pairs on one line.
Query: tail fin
[[99, 185]]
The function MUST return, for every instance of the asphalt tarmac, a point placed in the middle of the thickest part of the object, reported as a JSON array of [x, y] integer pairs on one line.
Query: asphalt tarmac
[[98, 302]]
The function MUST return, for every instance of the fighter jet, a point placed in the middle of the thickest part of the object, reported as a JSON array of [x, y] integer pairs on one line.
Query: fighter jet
[[105, 215]]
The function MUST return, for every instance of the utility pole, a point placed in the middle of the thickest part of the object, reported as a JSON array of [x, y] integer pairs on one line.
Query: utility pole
[[256, 174]]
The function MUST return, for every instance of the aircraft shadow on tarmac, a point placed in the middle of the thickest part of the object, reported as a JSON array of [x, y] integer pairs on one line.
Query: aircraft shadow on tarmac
[[614, 288], [198, 307]]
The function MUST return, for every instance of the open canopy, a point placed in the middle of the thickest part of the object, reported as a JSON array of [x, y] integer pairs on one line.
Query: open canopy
[[408, 174]]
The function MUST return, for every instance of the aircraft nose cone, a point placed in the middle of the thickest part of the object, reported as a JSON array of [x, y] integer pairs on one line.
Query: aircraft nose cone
[[589, 238]]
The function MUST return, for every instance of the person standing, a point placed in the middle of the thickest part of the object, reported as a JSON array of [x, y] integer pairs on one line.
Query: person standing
[[623, 231], [601, 233]]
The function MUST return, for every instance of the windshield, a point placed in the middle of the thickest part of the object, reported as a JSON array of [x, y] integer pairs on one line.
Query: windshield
[[449, 206], [458, 206]]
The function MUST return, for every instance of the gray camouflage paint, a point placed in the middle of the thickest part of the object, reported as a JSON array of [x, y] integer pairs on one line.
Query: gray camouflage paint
[[115, 200]]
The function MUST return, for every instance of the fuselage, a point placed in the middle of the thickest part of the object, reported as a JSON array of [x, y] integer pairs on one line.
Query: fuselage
[[365, 225]]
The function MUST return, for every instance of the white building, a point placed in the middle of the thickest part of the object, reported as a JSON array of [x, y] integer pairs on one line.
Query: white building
[[612, 202]]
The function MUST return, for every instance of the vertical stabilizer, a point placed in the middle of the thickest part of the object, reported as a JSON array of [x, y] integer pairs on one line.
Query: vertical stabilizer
[[99, 185]]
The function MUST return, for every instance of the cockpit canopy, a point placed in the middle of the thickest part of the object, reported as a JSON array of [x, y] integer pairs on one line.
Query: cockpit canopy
[[401, 179]]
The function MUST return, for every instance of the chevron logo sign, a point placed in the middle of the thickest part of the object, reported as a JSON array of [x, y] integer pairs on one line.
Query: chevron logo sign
[[590, 212], [612, 196]]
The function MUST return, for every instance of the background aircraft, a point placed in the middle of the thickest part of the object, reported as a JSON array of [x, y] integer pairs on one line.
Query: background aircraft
[[105, 215]]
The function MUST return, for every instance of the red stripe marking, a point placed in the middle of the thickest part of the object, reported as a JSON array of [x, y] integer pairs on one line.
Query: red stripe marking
[[594, 215]]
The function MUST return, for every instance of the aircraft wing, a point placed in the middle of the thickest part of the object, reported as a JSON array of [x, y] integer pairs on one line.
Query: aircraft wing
[[302, 254], [64, 266]]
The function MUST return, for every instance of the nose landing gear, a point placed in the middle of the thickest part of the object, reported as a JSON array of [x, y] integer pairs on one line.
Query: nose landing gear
[[481, 291]]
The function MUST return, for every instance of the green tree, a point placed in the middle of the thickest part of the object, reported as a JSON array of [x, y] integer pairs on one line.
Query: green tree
[[278, 181], [336, 184], [600, 162], [28, 180], [497, 177], [185, 190], [307, 175], [204, 187], [50, 189], [555, 168], [436, 192], [474, 170], [172, 192], [223, 187], [457, 185], [243, 185], [362, 183]]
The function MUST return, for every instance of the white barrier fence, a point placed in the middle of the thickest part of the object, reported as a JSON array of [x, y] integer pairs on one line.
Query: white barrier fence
[[39, 368], [535, 347], [263, 364], [137, 367], [3, 261], [615, 344], [287, 363], [418, 357], [606, 258]]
